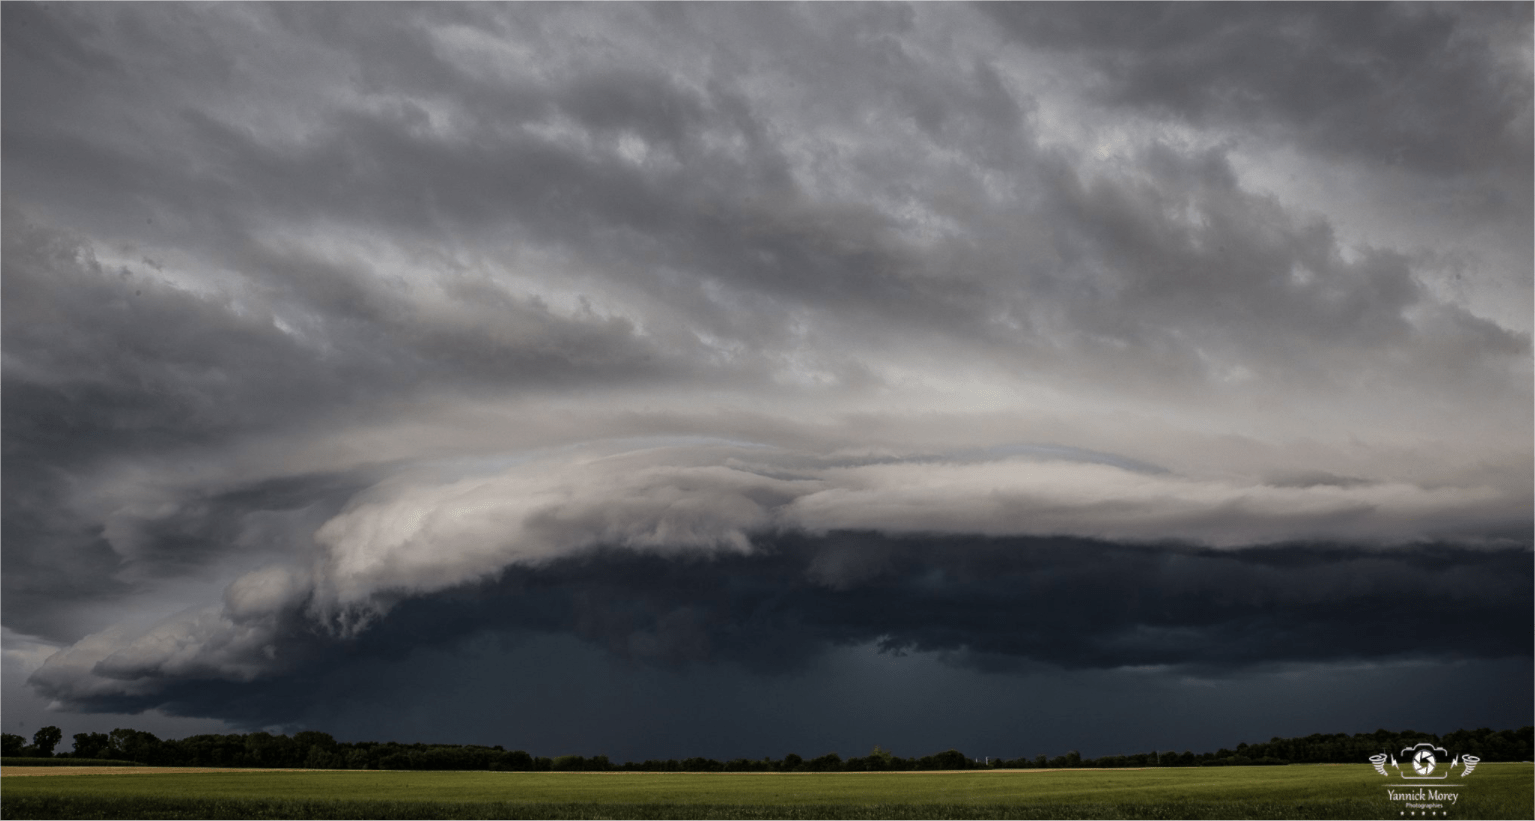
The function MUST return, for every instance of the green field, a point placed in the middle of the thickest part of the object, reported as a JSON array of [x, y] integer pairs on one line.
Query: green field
[[1297, 791]]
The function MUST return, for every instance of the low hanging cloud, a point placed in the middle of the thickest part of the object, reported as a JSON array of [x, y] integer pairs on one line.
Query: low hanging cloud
[[737, 335], [989, 604], [716, 506]]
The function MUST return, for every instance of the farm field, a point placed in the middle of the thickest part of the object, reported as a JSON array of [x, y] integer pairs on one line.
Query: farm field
[[1297, 791]]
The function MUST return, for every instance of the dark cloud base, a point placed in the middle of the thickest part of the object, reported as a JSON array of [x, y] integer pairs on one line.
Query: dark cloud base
[[557, 695], [988, 605]]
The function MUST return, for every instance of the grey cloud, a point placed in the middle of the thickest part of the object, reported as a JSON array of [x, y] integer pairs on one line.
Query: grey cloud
[[1421, 85], [353, 321], [414, 539], [139, 360], [1183, 258], [992, 604], [1133, 278], [1314, 478]]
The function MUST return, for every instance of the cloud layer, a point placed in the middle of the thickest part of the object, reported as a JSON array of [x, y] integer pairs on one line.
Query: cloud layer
[[988, 604], [685, 330]]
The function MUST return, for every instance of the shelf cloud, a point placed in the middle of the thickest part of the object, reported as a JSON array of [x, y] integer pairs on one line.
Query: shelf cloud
[[1021, 336]]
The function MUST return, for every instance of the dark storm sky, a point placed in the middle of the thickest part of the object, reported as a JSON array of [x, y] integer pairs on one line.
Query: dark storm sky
[[732, 380]]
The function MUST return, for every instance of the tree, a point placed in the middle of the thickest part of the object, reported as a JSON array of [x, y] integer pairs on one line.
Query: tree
[[11, 744], [268, 750], [949, 760], [91, 745], [135, 745], [46, 739], [321, 759], [831, 762], [311, 738]]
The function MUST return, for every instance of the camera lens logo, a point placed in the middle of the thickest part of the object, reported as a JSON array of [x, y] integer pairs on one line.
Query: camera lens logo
[[1425, 761]]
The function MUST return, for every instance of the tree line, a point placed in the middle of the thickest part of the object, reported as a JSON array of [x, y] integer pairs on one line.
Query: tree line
[[316, 750]]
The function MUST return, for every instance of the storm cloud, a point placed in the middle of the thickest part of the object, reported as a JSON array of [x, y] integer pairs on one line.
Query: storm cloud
[[987, 604], [730, 340]]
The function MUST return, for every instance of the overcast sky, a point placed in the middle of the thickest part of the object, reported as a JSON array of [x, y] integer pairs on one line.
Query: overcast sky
[[736, 380]]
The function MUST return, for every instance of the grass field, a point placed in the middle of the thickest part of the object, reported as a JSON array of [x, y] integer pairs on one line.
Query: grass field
[[1309, 791]]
